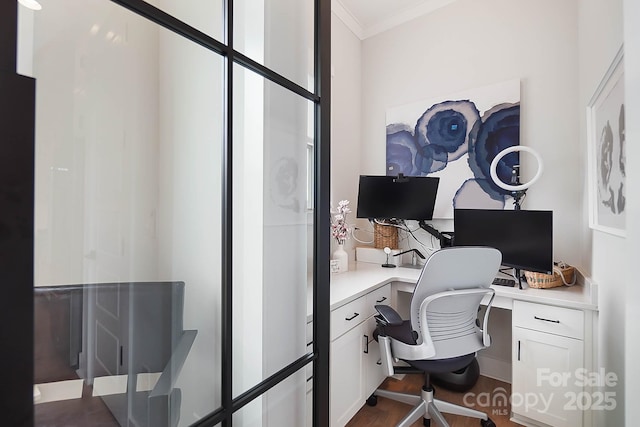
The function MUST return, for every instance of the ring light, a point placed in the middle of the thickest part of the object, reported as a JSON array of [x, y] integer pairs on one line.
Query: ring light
[[520, 187]]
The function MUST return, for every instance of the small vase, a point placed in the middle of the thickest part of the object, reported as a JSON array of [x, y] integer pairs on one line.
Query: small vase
[[343, 258]]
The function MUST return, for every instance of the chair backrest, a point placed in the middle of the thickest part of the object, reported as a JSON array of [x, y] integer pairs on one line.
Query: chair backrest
[[450, 317]]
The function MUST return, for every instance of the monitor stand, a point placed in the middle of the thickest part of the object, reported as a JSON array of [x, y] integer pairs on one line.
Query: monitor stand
[[416, 266], [414, 258], [518, 277], [445, 238], [515, 278]]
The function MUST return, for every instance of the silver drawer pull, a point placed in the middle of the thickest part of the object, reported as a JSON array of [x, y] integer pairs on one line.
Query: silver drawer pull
[[352, 317], [380, 300], [546, 320]]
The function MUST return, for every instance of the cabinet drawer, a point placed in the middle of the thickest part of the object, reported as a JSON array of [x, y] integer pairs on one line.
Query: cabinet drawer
[[348, 316], [379, 296], [554, 320]]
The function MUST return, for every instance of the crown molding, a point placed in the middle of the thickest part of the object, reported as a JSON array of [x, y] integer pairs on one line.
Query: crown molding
[[389, 22], [347, 18]]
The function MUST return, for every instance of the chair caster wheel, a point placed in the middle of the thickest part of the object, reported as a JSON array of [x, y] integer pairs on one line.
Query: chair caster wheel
[[372, 400], [487, 423]]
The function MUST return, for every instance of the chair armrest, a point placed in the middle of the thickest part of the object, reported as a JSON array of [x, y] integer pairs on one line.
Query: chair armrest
[[173, 367], [486, 339], [388, 315]]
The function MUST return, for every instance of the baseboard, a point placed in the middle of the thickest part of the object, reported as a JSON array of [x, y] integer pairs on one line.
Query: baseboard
[[495, 368], [525, 421]]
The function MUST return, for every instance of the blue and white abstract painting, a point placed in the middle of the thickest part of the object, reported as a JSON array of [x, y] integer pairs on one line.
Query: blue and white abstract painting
[[456, 138]]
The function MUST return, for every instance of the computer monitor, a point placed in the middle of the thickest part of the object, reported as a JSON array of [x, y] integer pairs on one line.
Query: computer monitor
[[397, 197], [524, 237]]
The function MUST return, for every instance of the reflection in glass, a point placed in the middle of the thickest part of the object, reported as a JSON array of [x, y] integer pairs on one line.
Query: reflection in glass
[[116, 347], [272, 229], [129, 134]]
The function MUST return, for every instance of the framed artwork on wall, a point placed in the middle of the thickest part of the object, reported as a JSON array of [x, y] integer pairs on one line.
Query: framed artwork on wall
[[606, 170], [455, 138]]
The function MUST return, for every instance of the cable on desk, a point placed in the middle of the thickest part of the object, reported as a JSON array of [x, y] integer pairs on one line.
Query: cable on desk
[[353, 234]]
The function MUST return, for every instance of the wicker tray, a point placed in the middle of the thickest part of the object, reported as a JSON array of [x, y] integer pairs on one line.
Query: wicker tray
[[546, 281], [385, 236]]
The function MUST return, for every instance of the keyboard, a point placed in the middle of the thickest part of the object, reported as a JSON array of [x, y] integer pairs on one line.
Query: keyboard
[[499, 281]]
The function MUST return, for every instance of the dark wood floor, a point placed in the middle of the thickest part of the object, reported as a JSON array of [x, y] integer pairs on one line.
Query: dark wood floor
[[388, 412]]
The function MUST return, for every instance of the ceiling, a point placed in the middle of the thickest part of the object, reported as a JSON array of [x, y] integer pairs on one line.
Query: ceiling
[[367, 18]]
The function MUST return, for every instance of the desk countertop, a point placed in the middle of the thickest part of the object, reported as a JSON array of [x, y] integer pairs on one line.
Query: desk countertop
[[364, 277]]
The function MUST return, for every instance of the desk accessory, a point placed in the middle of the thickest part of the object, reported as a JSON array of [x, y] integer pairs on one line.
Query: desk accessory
[[500, 281], [517, 189], [334, 266], [385, 236], [342, 257], [387, 251], [563, 274], [375, 256]]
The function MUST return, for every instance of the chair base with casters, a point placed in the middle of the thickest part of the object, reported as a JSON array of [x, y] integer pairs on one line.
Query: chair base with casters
[[427, 407]]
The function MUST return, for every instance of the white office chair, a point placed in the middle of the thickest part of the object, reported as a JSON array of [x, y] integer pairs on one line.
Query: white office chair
[[442, 334]]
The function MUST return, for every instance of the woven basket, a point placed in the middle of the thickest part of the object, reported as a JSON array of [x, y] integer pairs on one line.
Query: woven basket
[[385, 236], [546, 281]]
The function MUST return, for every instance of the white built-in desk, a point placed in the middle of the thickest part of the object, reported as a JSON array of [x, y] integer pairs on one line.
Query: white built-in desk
[[552, 332]]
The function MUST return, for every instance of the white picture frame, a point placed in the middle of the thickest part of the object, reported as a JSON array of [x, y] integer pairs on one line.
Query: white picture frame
[[606, 158]]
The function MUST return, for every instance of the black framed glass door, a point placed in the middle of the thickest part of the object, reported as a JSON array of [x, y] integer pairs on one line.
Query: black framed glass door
[[179, 267]]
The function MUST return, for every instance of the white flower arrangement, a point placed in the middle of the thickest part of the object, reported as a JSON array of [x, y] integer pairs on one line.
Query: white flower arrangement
[[339, 226]]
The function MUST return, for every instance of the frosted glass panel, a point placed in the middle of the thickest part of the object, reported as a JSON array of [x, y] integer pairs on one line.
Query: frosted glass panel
[[272, 229], [204, 15], [129, 137], [279, 35]]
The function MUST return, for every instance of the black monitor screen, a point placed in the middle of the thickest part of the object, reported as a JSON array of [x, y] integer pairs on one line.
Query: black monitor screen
[[404, 197], [525, 238]]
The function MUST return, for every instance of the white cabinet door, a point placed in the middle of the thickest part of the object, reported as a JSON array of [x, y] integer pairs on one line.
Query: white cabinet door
[[373, 372], [347, 376], [544, 385]]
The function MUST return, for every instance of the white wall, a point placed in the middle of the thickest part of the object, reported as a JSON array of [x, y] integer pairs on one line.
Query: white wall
[[346, 140], [471, 44], [601, 35], [632, 99]]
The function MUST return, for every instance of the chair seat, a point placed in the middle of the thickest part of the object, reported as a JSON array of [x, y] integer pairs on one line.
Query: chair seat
[[441, 366]]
